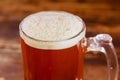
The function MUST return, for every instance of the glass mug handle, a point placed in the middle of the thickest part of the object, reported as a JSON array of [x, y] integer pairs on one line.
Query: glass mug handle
[[103, 43]]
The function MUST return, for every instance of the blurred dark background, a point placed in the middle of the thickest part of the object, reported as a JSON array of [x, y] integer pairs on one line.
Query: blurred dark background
[[100, 16]]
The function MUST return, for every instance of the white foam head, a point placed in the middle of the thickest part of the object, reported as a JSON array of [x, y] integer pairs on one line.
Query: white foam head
[[52, 30]]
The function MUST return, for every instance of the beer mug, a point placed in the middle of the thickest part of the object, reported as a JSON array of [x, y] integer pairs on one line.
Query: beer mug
[[54, 45]]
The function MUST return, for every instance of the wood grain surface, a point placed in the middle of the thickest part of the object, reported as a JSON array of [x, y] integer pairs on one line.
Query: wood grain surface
[[98, 17]]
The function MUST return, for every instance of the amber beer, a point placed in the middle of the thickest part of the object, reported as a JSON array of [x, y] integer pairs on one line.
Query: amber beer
[[40, 64], [53, 61]]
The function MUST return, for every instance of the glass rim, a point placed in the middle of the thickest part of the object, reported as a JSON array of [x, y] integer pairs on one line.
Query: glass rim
[[82, 30]]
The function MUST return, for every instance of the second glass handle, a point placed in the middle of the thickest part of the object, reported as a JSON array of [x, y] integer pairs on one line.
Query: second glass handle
[[103, 43]]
